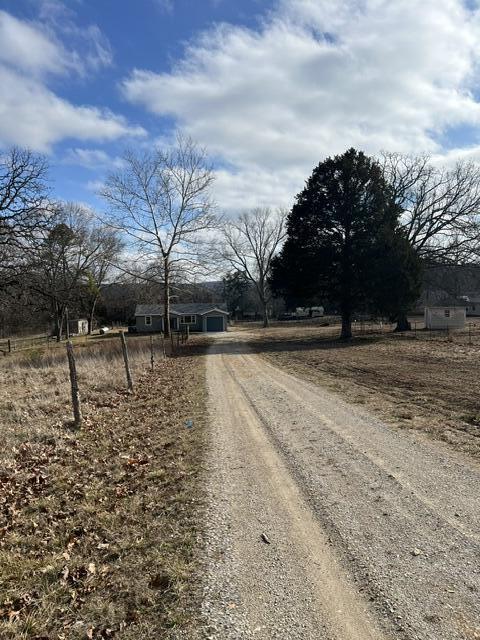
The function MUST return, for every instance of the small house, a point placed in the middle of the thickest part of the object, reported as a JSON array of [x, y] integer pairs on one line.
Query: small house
[[197, 316], [445, 317]]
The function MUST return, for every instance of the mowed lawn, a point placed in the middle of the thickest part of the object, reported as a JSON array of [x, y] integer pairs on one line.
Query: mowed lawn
[[98, 527], [426, 382]]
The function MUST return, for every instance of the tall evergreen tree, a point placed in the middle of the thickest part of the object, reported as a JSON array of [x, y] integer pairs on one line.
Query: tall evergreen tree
[[344, 242]]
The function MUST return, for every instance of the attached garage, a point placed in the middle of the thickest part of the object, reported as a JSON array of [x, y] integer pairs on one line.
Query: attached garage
[[215, 323]]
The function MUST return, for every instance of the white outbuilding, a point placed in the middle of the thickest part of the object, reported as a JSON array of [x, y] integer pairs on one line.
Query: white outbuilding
[[445, 317]]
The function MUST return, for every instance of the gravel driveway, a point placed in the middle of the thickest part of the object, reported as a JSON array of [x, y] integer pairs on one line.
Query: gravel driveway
[[326, 523]]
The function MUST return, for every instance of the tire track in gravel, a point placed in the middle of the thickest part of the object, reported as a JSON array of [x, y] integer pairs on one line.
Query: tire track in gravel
[[297, 462], [293, 587], [437, 497], [403, 513]]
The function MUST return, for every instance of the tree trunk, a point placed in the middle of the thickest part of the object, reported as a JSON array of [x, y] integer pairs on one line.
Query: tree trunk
[[57, 327], [166, 294], [91, 318], [67, 323], [59, 313], [403, 324], [346, 326], [265, 315]]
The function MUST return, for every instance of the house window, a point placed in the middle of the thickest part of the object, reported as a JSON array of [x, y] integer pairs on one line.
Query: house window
[[447, 313], [148, 321], [188, 320]]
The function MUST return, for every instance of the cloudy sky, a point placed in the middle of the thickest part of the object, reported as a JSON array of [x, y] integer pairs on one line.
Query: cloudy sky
[[270, 87]]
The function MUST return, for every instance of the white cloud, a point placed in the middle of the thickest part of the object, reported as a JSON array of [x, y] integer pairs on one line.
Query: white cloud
[[85, 48], [95, 186], [92, 159], [25, 47], [36, 47], [165, 5], [31, 114], [320, 76]]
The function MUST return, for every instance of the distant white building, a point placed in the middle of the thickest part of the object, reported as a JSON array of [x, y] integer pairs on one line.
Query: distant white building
[[443, 317], [472, 303]]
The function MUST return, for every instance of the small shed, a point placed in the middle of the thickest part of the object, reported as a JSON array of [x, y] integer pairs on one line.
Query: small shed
[[78, 327], [445, 317]]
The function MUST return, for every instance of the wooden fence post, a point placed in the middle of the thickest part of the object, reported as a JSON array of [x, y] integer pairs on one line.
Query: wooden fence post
[[9, 346], [152, 357], [126, 361], [77, 410]]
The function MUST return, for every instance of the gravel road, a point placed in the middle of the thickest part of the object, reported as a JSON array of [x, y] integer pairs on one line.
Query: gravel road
[[326, 523]]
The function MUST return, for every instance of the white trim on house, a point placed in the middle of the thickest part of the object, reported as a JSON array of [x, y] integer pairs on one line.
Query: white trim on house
[[222, 311], [192, 319], [148, 321]]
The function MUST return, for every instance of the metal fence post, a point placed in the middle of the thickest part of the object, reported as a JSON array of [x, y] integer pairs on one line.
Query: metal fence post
[[77, 410]]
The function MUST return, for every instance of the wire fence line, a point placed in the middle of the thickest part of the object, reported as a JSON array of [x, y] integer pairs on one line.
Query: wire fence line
[[330, 326], [85, 357]]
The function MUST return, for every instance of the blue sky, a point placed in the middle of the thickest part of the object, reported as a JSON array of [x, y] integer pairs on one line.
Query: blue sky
[[269, 87], [150, 34]]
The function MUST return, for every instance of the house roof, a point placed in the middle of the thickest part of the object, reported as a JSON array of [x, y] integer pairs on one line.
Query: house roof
[[451, 303], [189, 308]]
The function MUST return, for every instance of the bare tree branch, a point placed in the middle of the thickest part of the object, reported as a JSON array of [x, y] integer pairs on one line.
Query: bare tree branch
[[161, 202], [249, 244], [440, 206]]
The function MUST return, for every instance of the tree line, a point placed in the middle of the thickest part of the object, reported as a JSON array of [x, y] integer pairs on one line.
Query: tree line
[[356, 238]]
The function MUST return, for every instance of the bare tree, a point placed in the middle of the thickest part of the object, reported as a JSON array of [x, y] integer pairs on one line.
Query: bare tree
[[440, 206], [64, 257], [250, 243], [161, 202], [24, 206], [107, 251]]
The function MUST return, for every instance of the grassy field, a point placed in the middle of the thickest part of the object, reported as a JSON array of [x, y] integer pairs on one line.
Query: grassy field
[[425, 382], [98, 526]]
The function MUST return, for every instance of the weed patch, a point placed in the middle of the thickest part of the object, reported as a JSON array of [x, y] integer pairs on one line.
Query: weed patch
[[98, 527]]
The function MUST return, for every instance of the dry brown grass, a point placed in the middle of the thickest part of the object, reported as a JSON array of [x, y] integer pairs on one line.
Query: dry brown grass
[[98, 526], [427, 382]]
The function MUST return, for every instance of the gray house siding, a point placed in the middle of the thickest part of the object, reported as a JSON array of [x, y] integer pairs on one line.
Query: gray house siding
[[197, 326], [143, 327], [157, 324], [201, 312]]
